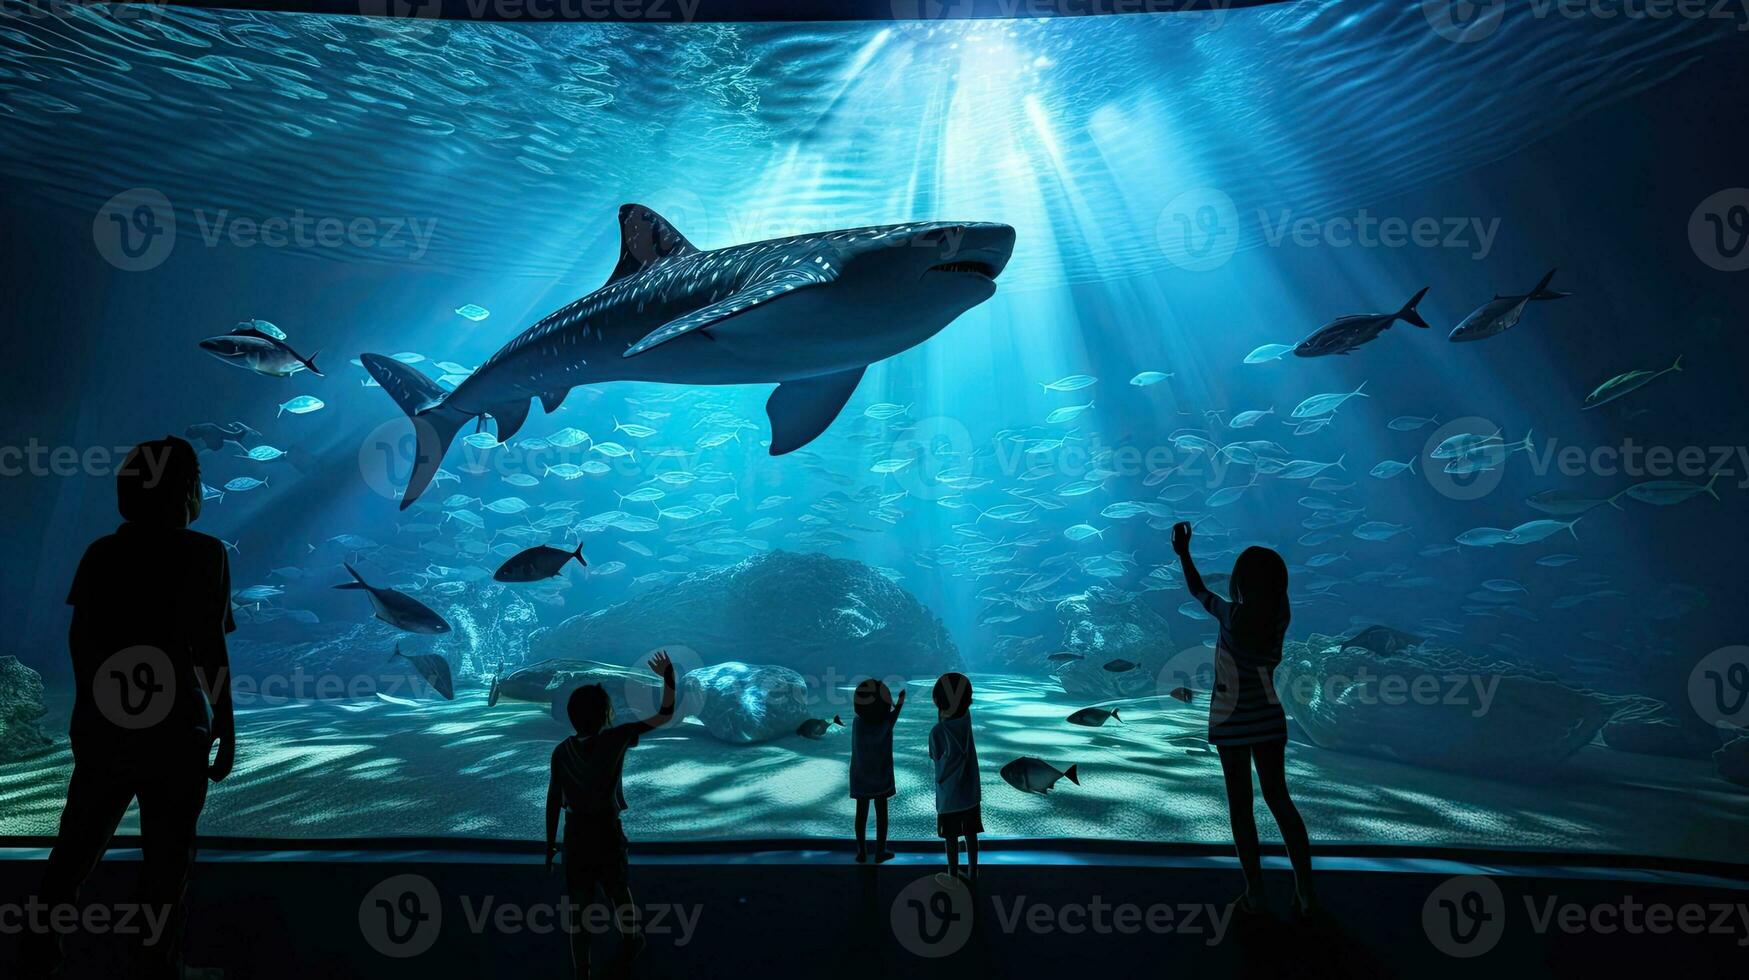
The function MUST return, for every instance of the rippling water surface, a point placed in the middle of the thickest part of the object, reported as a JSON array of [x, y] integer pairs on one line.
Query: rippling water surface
[[521, 140]]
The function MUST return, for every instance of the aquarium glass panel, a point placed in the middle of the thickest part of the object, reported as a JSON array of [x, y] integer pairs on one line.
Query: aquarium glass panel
[[515, 354]]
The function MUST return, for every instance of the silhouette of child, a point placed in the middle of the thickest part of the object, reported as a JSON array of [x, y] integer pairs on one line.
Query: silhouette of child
[[151, 607], [871, 762], [957, 795], [1247, 725], [586, 783]]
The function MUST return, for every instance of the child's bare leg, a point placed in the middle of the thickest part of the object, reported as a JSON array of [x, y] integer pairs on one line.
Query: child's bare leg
[[953, 854], [880, 809], [862, 830], [972, 854]]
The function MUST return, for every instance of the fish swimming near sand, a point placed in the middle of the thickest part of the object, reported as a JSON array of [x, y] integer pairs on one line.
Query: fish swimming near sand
[[1030, 775], [817, 727], [432, 668], [1093, 717]]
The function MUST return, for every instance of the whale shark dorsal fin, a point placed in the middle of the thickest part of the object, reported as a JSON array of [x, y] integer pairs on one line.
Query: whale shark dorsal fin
[[800, 410], [754, 294], [645, 237]]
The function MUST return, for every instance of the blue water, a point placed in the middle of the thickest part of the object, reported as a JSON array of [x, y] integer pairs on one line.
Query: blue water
[[1157, 171]]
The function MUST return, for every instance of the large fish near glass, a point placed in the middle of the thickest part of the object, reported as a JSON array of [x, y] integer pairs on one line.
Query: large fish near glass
[[809, 313]]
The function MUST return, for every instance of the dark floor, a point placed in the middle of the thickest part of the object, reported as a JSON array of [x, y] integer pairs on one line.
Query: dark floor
[[1060, 914]]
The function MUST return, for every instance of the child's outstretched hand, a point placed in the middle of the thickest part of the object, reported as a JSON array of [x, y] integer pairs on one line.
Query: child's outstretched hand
[[901, 701], [661, 666], [1181, 537]]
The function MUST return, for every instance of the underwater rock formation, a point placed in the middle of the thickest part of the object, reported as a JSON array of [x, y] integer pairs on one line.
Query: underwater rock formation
[[21, 711], [1733, 761], [742, 703], [1437, 708], [829, 619], [489, 624], [633, 693], [1102, 625]]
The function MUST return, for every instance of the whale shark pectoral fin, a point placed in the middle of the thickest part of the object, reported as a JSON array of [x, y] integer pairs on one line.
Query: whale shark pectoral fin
[[756, 294], [801, 410], [510, 417], [551, 400]]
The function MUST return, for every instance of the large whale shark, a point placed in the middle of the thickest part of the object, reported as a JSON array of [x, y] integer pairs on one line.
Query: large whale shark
[[809, 313]]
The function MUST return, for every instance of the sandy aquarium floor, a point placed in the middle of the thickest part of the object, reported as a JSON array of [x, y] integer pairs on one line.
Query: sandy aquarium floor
[[373, 769]]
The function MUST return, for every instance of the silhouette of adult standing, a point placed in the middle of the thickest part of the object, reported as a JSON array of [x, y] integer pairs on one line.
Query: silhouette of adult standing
[[151, 607]]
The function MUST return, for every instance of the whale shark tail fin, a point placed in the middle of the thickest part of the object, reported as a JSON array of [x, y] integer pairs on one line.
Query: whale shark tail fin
[[434, 424]]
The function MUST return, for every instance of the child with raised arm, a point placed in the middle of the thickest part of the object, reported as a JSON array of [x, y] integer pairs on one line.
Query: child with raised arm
[[871, 762], [1247, 725], [586, 784], [957, 795]]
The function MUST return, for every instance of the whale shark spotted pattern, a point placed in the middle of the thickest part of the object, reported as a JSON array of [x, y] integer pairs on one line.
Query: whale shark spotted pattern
[[809, 313]]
